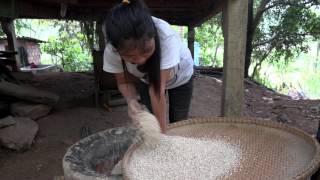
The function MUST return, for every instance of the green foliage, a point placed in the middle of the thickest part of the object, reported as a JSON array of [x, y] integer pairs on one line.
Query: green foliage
[[285, 30], [23, 25], [20, 25], [292, 32], [263, 79], [298, 76], [312, 80], [68, 45], [283, 33], [209, 35], [69, 48]]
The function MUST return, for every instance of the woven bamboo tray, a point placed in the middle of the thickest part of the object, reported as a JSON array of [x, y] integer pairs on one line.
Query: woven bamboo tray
[[270, 150]]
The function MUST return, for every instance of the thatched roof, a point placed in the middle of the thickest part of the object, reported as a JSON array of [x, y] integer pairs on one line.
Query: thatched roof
[[179, 12]]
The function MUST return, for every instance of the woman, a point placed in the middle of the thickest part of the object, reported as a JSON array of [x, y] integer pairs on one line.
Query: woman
[[147, 48]]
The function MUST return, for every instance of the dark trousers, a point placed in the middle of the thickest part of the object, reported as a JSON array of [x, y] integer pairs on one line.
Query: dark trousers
[[179, 100]]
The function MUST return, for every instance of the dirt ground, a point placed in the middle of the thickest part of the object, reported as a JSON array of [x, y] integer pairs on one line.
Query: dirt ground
[[76, 116]]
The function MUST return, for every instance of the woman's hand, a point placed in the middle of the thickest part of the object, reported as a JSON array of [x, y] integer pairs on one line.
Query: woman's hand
[[134, 108], [138, 114]]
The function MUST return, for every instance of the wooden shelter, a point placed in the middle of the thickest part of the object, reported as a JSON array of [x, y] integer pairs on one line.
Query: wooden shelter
[[179, 12], [190, 13]]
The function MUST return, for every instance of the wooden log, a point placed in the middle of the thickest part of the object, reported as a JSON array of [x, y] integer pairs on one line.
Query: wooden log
[[28, 93], [5, 72], [235, 16], [211, 71], [22, 76], [4, 109]]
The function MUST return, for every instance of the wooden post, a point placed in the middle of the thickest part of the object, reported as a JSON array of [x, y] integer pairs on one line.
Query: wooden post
[[101, 35], [191, 36], [8, 28], [235, 21], [97, 56]]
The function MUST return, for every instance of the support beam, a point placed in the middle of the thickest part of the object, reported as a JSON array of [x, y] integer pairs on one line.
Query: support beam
[[7, 25], [8, 8], [214, 8], [101, 35], [235, 20], [191, 37]]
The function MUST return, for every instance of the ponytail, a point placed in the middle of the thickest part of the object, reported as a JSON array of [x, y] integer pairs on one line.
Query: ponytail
[[131, 19]]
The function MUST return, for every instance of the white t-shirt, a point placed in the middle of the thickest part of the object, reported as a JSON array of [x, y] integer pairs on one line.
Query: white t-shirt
[[174, 55]]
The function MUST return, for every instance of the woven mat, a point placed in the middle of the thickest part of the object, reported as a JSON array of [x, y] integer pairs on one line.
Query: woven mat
[[270, 150]]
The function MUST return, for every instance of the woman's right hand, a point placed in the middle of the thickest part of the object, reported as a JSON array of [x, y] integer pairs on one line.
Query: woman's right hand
[[134, 108]]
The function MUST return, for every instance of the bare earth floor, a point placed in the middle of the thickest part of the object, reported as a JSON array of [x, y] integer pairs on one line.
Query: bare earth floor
[[76, 116]]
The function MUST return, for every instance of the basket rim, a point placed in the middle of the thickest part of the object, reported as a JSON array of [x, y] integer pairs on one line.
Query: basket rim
[[307, 172]]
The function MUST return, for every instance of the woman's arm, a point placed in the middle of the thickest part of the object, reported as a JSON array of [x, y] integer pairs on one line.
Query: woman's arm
[[159, 103], [126, 87], [128, 91]]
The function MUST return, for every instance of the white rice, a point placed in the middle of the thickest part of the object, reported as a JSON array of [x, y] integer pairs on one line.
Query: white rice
[[180, 158]]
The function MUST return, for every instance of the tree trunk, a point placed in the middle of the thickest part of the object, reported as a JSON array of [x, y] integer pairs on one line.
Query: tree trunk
[[88, 30], [214, 60], [253, 22], [250, 33], [191, 36], [316, 64]]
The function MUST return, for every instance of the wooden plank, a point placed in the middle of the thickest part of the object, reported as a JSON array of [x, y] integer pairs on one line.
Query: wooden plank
[[180, 17], [7, 8], [209, 11], [33, 10], [178, 12], [150, 3], [7, 53], [7, 61], [62, 1], [235, 24]]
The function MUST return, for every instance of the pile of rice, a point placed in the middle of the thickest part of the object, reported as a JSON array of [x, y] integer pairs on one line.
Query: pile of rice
[[176, 157]]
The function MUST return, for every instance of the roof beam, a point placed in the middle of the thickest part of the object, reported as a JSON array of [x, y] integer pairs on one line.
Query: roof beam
[[57, 1], [178, 12], [28, 10], [213, 9]]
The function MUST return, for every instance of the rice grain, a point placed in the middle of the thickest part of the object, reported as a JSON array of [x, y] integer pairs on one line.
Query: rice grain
[[181, 158]]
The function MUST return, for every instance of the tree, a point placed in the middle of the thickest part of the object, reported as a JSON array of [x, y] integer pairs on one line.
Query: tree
[[19, 24], [279, 29], [70, 48], [209, 36]]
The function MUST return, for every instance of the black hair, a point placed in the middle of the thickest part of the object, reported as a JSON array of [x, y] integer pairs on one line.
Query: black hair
[[127, 21]]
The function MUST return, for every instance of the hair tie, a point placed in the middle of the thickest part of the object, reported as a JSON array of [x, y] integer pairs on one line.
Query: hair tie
[[125, 1]]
